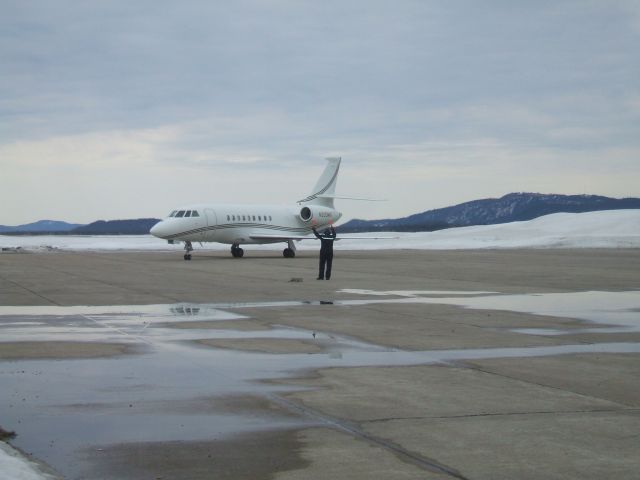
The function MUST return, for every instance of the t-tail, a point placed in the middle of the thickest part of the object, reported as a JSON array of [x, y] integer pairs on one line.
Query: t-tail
[[324, 191]]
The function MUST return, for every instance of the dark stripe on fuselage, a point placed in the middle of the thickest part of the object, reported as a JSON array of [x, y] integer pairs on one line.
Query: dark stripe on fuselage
[[227, 226]]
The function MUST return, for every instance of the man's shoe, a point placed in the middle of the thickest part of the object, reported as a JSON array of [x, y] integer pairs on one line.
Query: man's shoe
[[319, 278]]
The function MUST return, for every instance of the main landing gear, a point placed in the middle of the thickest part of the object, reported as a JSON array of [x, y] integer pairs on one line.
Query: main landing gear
[[187, 250], [236, 251], [290, 251]]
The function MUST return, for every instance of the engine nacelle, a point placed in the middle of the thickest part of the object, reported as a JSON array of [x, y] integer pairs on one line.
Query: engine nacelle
[[319, 215]]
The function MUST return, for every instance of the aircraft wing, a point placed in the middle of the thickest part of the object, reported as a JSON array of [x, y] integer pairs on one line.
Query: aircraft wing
[[367, 238], [284, 238]]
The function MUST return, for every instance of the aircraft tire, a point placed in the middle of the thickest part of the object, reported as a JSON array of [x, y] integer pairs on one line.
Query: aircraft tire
[[288, 253]]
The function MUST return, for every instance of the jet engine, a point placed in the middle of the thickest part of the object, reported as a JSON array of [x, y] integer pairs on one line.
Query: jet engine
[[319, 215]]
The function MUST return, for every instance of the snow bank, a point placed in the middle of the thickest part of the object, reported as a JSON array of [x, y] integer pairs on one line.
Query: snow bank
[[13, 466], [46, 243], [605, 229]]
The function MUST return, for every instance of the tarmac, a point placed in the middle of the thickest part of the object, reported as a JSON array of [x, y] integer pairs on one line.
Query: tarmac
[[406, 364]]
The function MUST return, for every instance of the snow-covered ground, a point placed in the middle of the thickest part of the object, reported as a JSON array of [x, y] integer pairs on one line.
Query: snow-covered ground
[[606, 229], [14, 466]]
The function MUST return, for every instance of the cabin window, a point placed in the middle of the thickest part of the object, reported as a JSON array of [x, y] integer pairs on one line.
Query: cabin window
[[228, 218], [269, 217], [187, 213], [243, 218], [259, 218], [195, 213], [180, 214], [233, 217], [254, 218]]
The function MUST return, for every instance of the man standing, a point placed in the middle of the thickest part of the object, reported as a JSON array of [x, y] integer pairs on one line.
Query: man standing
[[326, 251]]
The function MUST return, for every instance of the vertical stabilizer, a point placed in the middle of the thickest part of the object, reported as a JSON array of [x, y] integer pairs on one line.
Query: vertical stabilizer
[[322, 194]]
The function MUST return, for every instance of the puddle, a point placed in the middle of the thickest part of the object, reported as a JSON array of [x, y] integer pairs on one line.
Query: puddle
[[61, 407], [619, 311], [415, 293]]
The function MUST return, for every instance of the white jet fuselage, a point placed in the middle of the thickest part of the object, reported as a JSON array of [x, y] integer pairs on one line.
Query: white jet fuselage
[[244, 224]]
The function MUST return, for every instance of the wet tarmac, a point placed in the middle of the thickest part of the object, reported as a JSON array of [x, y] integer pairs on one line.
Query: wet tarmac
[[617, 310], [173, 387]]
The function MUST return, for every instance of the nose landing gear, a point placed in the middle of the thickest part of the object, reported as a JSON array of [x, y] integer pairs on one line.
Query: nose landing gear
[[187, 250]]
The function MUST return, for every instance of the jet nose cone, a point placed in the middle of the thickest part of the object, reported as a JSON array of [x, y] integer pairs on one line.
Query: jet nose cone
[[157, 230]]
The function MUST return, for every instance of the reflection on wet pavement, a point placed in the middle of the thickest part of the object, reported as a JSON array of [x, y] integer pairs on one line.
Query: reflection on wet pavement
[[617, 310], [61, 407]]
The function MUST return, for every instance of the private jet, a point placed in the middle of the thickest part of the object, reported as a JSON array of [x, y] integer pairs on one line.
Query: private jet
[[255, 224]]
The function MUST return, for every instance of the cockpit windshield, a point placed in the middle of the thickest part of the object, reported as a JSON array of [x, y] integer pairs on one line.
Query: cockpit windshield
[[184, 213]]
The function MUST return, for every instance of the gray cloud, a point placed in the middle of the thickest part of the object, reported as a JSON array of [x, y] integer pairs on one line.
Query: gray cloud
[[445, 90]]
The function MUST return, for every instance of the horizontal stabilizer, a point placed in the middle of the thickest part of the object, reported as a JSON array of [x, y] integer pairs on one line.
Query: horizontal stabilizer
[[354, 198]]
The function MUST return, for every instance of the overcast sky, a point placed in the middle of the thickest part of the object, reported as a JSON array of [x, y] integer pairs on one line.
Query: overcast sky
[[126, 109]]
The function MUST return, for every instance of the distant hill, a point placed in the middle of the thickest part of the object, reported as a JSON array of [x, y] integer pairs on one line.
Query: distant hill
[[41, 226], [139, 226], [510, 208]]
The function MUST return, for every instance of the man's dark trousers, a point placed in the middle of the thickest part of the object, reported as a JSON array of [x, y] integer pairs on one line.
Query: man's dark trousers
[[326, 252], [326, 258]]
